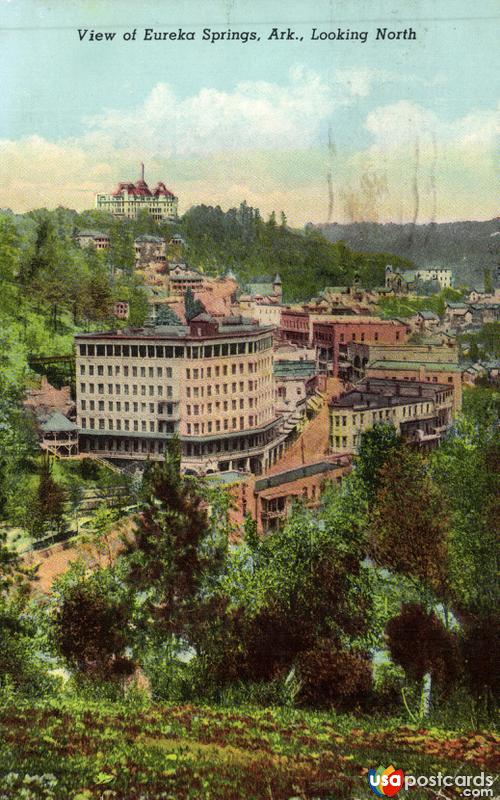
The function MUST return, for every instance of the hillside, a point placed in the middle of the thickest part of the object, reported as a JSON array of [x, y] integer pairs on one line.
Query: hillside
[[240, 240], [90, 751], [467, 247]]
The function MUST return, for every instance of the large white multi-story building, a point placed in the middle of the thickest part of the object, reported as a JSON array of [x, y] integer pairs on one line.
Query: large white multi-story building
[[210, 383], [130, 198]]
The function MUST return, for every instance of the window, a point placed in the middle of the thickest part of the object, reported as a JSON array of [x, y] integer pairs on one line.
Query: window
[[82, 369]]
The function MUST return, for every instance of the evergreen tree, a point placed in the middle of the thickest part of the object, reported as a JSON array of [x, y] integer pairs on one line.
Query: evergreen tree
[[49, 506], [167, 316], [173, 550], [192, 306]]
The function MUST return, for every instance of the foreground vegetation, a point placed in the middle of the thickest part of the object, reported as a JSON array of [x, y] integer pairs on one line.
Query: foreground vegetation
[[83, 750]]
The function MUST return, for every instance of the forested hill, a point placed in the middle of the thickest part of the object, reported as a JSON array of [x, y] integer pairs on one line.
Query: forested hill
[[466, 247], [307, 262], [238, 239]]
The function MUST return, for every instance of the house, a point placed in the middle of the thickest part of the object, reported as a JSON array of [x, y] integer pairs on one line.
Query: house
[[121, 309], [96, 239], [149, 250], [427, 320], [265, 286], [457, 315]]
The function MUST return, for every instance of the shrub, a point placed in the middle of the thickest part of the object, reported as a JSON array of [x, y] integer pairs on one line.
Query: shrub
[[420, 644], [332, 677]]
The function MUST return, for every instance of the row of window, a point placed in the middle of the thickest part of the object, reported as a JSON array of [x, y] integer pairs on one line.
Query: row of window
[[209, 372], [135, 408], [143, 372], [117, 389], [224, 388], [128, 446], [135, 425], [218, 406], [383, 414], [167, 351], [200, 428]]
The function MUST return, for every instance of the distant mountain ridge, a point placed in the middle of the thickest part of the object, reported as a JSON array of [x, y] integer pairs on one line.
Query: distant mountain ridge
[[467, 247]]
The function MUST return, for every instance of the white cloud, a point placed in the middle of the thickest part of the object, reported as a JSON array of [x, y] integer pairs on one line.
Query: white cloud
[[255, 114]]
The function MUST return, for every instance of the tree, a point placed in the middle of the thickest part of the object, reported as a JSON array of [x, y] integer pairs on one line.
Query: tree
[[419, 642], [167, 316], [480, 648], [409, 523], [378, 444], [298, 595], [9, 264], [488, 281], [192, 305], [50, 500], [466, 469], [91, 623], [121, 253], [172, 550]]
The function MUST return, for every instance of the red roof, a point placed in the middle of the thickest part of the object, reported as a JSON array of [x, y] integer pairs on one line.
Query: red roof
[[161, 189], [141, 189]]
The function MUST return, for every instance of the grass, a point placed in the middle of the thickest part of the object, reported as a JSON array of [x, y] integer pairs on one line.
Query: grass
[[182, 752]]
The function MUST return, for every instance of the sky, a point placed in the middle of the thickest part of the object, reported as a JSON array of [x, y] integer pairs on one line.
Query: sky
[[333, 129]]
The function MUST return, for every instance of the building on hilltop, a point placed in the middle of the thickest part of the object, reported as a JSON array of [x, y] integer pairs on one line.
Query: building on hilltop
[[96, 239], [209, 382], [129, 199], [420, 412], [404, 281]]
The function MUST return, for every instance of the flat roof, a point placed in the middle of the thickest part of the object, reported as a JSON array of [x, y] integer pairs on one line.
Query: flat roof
[[176, 332], [432, 366], [305, 471]]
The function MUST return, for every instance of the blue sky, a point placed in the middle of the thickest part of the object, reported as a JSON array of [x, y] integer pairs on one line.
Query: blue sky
[[230, 121]]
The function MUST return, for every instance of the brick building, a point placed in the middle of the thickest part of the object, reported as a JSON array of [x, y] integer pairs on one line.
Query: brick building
[[332, 335], [269, 499], [295, 326], [211, 383]]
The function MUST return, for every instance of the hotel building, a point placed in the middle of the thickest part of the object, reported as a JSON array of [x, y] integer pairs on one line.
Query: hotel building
[[209, 383], [129, 199]]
